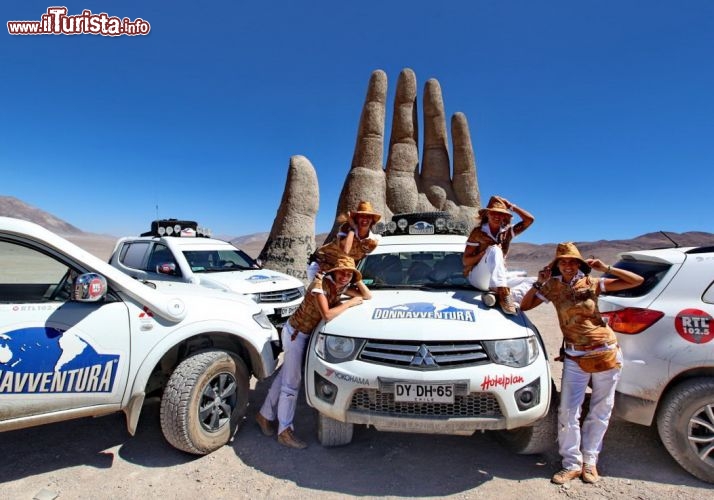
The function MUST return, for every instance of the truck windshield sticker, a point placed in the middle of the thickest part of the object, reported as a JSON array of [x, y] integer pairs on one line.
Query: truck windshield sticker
[[421, 227], [48, 360], [265, 277], [425, 310]]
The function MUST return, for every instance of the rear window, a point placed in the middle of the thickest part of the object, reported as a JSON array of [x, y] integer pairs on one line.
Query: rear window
[[652, 272], [133, 254]]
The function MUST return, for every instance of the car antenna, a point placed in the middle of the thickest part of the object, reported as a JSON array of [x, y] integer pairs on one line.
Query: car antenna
[[676, 245]]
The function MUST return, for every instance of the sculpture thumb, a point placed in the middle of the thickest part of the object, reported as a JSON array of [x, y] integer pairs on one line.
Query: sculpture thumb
[[292, 236]]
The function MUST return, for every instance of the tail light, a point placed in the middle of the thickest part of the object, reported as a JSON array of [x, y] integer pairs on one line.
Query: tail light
[[632, 320]]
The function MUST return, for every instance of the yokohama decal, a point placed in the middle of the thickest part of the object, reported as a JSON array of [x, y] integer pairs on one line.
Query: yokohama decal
[[693, 326]]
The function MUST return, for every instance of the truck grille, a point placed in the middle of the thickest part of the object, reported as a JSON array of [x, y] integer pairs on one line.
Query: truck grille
[[280, 296], [431, 355], [472, 405]]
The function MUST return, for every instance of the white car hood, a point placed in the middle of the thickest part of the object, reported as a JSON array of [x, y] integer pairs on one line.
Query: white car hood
[[187, 291], [249, 281], [422, 315]]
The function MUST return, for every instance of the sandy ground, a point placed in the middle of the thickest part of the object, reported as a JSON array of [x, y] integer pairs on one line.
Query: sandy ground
[[96, 458]]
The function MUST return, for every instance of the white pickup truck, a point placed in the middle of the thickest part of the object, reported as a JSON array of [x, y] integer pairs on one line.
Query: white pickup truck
[[427, 354], [181, 251], [80, 338]]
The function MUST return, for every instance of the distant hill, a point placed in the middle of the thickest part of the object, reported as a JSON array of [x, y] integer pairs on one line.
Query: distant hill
[[532, 257], [252, 244], [98, 244], [526, 256], [529, 251], [12, 207]]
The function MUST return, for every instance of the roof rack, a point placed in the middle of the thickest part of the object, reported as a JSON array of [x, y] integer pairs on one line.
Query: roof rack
[[421, 223], [177, 228]]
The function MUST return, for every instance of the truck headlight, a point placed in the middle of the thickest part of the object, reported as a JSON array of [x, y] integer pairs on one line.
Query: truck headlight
[[262, 320], [334, 349], [301, 289], [513, 352], [255, 297]]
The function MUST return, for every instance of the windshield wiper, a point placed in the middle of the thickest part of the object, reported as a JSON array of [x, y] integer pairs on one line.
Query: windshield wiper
[[447, 286], [397, 286]]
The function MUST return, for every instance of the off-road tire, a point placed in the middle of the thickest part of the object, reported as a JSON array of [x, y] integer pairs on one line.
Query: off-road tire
[[194, 381], [677, 417], [540, 438], [331, 432]]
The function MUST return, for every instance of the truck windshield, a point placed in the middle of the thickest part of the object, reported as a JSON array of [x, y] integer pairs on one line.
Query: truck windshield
[[414, 268], [216, 261]]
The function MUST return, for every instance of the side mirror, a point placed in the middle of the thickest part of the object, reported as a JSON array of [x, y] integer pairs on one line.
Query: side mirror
[[89, 287], [166, 268]]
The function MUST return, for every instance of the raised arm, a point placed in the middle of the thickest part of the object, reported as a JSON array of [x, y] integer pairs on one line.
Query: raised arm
[[622, 279], [531, 299], [346, 242], [359, 289], [526, 217]]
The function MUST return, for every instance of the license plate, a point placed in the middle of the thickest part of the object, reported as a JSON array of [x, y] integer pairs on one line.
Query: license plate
[[423, 393], [287, 311]]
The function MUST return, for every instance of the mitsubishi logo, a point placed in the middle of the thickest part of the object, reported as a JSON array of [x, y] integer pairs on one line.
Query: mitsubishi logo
[[423, 357]]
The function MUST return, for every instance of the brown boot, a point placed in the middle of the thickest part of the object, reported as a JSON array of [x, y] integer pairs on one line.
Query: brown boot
[[590, 474], [564, 476], [267, 427], [287, 438], [505, 300]]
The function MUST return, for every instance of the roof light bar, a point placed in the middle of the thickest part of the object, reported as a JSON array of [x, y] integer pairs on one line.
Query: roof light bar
[[422, 223], [177, 228]]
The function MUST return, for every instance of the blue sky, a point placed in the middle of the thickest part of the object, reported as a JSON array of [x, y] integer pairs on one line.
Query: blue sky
[[598, 117]]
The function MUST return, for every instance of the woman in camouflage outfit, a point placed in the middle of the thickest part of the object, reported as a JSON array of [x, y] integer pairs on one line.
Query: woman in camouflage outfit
[[590, 352], [354, 238], [322, 302]]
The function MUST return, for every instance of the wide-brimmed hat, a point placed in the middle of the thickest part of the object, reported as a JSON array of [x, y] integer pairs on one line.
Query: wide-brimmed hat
[[495, 204], [365, 208], [568, 250], [346, 263]]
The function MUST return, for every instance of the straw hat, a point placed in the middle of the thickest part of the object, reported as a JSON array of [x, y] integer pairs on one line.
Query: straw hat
[[365, 208], [495, 204], [568, 250], [346, 263]]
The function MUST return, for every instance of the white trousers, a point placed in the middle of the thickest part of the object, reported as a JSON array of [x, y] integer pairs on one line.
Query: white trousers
[[312, 270], [282, 396], [576, 445], [490, 272]]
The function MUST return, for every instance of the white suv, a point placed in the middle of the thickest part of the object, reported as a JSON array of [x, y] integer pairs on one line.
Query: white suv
[[178, 251], [425, 354], [79, 338], [664, 327]]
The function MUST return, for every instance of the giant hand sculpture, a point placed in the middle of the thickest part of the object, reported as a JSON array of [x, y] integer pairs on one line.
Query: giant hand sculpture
[[399, 188]]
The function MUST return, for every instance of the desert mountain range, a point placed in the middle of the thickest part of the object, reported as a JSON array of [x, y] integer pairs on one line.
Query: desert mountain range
[[526, 256]]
